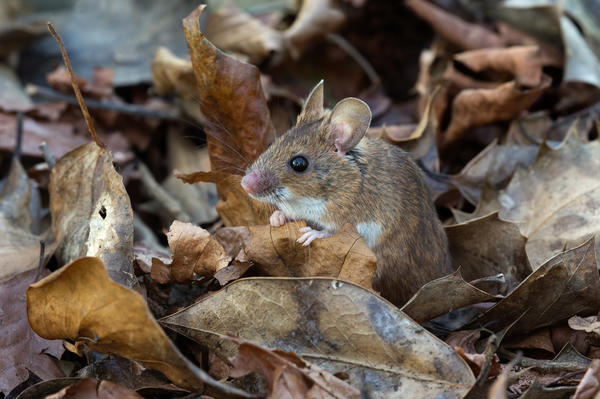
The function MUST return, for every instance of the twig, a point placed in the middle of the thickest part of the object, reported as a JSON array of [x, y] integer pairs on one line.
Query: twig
[[82, 106], [19, 134], [356, 56], [48, 157], [131, 109], [41, 261]]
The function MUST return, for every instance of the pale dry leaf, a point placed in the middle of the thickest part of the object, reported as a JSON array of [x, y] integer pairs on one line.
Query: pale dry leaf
[[91, 211], [589, 387], [336, 325]]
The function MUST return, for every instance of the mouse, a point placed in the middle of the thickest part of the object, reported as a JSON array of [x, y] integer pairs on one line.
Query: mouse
[[326, 171]]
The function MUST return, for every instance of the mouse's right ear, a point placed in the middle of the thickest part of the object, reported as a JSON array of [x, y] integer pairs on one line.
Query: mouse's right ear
[[313, 106]]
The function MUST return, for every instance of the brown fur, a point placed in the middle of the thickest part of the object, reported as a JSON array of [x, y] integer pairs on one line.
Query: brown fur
[[374, 182]]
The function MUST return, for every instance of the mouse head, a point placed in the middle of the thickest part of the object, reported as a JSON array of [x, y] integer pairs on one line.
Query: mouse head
[[313, 158]]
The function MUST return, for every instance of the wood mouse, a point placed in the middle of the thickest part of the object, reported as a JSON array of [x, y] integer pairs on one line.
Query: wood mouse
[[325, 171]]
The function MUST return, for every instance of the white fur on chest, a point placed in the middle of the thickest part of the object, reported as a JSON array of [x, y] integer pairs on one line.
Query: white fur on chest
[[309, 208], [370, 232]]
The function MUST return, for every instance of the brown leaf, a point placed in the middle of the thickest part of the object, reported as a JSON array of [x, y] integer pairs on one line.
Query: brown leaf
[[589, 387], [173, 74], [20, 349], [196, 254], [287, 374], [456, 293], [91, 211], [100, 87], [524, 63], [92, 389], [234, 240], [80, 302], [465, 35], [315, 20], [566, 285], [235, 206], [345, 255], [487, 246], [231, 99], [477, 360], [335, 325], [476, 107]]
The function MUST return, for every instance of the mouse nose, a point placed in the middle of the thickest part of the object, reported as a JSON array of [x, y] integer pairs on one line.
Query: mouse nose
[[257, 182]]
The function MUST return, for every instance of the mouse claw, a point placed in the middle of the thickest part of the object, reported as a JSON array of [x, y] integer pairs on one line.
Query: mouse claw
[[278, 218], [310, 235]]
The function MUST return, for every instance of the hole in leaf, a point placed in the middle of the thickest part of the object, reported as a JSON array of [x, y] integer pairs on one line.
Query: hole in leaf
[[102, 212]]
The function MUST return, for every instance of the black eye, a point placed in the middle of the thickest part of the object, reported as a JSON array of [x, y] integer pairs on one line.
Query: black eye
[[299, 163]]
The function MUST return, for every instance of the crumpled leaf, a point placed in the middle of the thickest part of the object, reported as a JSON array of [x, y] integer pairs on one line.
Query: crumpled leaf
[[232, 101], [588, 324], [288, 375], [196, 254], [345, 255], [336, 325], [109, 318], [487, 246], [477, 360], [90, 389], [524, 63], [91, 211], [235, 206], [589, 387], [476, 107], [565, 285], [425, 304], [234, 241]]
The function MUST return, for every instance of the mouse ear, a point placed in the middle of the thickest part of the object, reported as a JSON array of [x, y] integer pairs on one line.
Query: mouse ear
[[350, 119], [313, 106]]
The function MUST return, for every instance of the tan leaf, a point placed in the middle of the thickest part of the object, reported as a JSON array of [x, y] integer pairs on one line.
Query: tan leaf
[[335, 325], [79, 302], [196, 254], [235, 206], [524, 63], [91, 211], [173, 74], [476, 107], [589, 387], [231, 99], [344, 255], [287, 375]]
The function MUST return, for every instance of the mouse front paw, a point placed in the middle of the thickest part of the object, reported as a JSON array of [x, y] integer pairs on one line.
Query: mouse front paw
[[310, 235], [278, 218]]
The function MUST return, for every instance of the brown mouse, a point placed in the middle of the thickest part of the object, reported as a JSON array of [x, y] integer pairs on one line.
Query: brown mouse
[[325, 171]]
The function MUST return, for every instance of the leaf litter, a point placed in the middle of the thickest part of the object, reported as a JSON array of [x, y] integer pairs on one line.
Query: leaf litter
[[503, 121]]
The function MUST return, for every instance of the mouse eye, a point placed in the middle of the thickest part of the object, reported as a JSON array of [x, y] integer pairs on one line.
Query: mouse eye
[[299, 163]]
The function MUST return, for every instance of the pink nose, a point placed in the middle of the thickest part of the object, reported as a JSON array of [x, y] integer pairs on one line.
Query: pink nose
[[257, 182]]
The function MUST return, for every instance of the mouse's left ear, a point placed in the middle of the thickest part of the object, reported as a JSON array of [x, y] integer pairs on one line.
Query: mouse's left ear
[[350, 119]]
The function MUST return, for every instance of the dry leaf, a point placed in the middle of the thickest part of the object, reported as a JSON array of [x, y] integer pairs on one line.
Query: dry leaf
[[488, 246], [232, 101], [288, 376], [173, 74], [91, 211], [234, 240], [457, 293], [465, 35], [566, 285], [477, 360], [79, 302], [589, 387], [196, 254], [92, 389], [476, 107], [345, 255], [235, 206], [20, 348], [335, 325], [524, 63]]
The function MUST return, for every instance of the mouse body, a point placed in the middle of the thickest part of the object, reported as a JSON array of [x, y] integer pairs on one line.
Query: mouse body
[[325, 171]]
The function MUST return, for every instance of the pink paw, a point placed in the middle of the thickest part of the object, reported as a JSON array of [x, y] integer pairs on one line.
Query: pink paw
[[310, 235], [278, 218]]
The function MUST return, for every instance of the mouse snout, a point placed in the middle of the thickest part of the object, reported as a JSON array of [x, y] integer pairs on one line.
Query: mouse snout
[[257, 182]]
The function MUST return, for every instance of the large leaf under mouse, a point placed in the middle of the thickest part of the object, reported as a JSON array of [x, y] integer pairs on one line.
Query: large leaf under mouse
[[336, 325]]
